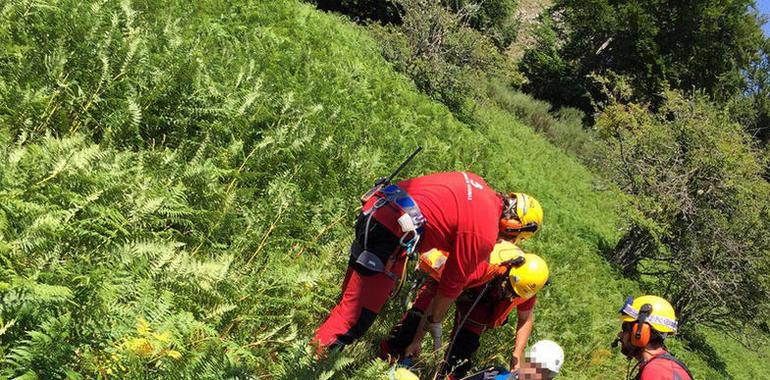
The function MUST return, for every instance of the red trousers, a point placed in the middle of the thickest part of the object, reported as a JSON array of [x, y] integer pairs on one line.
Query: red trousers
[[363, 296], [466, 340]]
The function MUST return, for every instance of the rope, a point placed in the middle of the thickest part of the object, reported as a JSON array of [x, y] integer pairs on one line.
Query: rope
[[460, 326]]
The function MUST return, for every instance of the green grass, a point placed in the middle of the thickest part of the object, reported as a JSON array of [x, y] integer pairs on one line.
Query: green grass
[[197, 168]]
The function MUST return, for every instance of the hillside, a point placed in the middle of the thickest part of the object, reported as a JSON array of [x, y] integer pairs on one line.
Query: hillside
[[178, 187]]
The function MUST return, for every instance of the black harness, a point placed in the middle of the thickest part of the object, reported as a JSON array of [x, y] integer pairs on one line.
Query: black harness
[[411, 221]]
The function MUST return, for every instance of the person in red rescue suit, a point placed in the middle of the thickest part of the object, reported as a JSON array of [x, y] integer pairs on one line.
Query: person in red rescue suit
[[456, 212], [511, 281], [646, 322]]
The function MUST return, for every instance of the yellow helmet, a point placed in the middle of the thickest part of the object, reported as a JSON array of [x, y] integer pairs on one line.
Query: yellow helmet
[[662, 317], [504, 251], [528, 278], [522, 217], [401, 373]]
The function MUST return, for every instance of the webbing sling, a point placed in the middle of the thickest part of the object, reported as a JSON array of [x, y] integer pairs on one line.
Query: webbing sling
[[677, 361]]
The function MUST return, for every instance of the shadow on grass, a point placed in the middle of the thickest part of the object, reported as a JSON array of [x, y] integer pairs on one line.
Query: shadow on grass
[[696, 342]]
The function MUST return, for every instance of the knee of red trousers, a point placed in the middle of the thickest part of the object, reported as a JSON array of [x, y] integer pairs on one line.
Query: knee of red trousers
[[360, 292]]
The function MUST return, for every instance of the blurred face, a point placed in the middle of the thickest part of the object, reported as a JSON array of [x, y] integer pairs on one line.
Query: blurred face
[[507, 290], [626, 347], [533, 371]]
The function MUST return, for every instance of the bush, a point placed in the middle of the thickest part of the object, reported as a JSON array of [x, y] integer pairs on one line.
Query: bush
[[495, 19], [383, 11], [699, 233], [445, 57]]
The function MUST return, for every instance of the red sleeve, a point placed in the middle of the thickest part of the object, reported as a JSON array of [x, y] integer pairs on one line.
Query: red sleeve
[[468, 254], [528, 304]]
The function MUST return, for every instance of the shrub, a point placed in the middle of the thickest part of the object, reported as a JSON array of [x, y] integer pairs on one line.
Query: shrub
[[383, 11], [495, 19], [699, 233], [446, 58]]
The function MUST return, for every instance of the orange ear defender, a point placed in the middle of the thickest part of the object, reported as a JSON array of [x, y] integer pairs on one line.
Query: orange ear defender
[[640, 333], [512, 226], [521, 216]]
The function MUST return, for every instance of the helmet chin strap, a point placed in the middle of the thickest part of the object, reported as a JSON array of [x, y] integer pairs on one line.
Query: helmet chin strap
[[630, 370]]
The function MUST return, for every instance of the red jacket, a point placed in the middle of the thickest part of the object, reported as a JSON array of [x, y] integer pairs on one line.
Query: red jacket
[[463, 215], [662, 369]]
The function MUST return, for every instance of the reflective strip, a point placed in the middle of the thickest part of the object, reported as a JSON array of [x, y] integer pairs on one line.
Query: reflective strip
[[633, 313]]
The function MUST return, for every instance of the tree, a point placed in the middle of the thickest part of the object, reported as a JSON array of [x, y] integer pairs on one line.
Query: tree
[[495, 19], [441, 52], [702, 44], [699, 232], [751, 107]]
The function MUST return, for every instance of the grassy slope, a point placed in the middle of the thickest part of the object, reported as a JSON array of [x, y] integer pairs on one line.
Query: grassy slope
[[322, 114], [582, 220]]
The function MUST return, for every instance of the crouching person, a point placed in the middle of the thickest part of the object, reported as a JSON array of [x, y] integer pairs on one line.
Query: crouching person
[[509, 281], [456, 212]]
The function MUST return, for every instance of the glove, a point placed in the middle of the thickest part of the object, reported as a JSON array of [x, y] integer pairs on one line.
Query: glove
[[434, 328]]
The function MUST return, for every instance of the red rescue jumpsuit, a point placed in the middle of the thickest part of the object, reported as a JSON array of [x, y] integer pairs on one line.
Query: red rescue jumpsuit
[[462, 215], [491, 311]]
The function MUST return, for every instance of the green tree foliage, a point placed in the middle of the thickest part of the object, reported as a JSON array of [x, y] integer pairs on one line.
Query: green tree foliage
[[383, 11], [752, 107], [495, 19], [699, 234], [686, 45], [445, 57]]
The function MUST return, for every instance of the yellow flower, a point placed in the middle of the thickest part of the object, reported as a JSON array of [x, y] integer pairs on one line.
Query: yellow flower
[[140, 346], [173, 354], [142, 326], [164, 337]]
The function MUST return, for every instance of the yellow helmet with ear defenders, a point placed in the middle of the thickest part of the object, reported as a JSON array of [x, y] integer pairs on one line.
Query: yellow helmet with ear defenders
[[522, 217]]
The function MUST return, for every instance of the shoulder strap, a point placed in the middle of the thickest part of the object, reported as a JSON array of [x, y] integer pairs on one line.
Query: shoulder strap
[[672, 358]]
